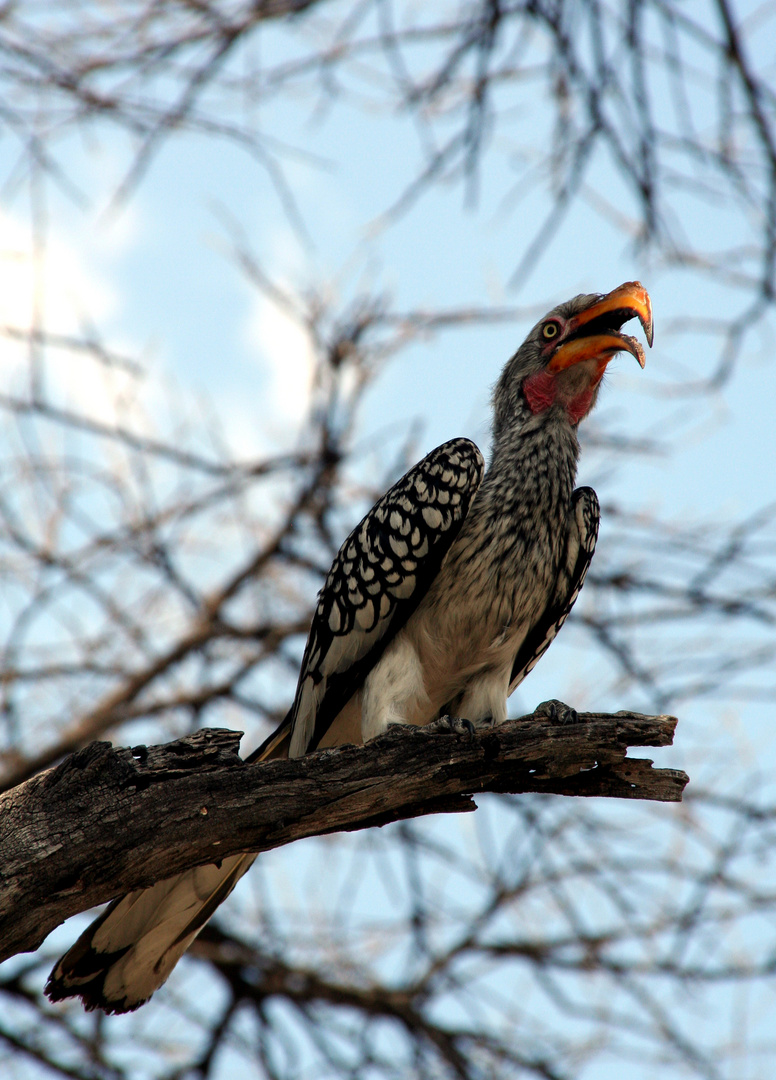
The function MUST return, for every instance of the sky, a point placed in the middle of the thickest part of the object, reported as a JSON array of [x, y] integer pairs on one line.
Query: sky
[[158, 277]]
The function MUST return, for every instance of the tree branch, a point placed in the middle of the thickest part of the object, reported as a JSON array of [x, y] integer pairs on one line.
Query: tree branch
[[106, 821]]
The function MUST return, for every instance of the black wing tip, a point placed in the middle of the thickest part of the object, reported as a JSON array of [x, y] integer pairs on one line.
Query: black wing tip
[[91, 993]]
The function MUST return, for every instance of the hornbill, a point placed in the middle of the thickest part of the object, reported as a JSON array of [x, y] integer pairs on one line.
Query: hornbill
[[437, 605]]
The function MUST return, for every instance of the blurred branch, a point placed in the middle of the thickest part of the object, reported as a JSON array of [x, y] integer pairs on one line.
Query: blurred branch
[[676, 99], [59, 858]]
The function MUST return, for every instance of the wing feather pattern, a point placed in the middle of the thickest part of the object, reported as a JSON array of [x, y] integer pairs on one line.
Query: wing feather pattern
[[378, 578], [580, 547]]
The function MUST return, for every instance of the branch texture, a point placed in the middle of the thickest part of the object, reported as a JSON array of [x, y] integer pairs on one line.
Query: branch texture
[[107, 820]]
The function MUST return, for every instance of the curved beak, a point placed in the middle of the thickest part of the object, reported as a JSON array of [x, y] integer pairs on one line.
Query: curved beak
[[594, 334]]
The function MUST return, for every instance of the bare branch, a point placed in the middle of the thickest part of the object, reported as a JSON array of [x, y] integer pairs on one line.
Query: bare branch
[[57, 849]]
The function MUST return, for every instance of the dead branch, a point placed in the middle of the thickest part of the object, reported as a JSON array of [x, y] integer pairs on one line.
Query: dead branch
[[106, 821]]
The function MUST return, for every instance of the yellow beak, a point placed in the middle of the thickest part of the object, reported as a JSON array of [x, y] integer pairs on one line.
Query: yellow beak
[[628, 301]]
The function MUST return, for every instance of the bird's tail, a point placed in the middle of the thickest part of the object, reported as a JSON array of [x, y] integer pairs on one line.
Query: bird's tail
[[129, 951], [131, 948]]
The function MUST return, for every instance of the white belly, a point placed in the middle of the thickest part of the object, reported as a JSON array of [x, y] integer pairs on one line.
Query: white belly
[[421, 673]]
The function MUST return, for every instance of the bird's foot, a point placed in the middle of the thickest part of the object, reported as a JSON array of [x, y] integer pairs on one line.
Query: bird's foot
[[450, 725], [557, 711]]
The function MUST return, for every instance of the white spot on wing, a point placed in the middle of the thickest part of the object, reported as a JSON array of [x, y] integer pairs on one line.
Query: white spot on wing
[[399, 546], [432, 517]]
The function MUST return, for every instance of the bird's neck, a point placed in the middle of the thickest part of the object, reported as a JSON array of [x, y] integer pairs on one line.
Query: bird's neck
[[507, 555], [510, 548], [548, 438], [533, 463]]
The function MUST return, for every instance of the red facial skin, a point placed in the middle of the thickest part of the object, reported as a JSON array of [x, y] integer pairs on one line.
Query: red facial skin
[[541, 391]]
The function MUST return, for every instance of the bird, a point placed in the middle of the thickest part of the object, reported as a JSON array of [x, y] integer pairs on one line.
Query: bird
[[437, 605]]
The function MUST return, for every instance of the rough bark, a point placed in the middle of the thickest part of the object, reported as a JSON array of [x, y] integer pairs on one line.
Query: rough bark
[[107, 820]]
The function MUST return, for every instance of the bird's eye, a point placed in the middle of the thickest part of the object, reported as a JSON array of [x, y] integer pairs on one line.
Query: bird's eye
[[550, 330]]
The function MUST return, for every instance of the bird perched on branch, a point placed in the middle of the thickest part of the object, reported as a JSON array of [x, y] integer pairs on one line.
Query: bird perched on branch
[[437, 605]]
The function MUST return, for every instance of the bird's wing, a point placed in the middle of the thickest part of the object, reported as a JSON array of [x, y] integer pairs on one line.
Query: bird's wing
[[378, 578], [580, 546]]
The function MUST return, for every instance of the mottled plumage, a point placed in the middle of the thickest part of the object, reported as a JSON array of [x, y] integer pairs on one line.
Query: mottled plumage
[[380, 574], [440, 602]]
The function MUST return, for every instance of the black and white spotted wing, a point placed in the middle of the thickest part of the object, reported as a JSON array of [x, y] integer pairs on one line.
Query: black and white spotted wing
[[580, 547], [378, 578]]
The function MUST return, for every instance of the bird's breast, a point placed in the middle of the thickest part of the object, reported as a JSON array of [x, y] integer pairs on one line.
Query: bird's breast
[[494, 583]]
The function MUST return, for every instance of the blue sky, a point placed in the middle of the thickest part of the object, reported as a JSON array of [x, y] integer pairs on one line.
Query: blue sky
[[159, 279]]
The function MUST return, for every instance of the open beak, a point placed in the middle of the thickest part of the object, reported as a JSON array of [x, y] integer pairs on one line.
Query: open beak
[[594, 334]]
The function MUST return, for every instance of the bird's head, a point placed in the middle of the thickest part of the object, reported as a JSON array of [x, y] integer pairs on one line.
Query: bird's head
[[561, 363]]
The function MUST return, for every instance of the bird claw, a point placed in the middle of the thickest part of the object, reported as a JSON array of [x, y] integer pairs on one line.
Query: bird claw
[[557, 712], [450, 725]]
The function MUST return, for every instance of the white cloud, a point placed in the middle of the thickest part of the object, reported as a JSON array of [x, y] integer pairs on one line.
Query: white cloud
[[283, 348], [289, 361], [57, 291], [58, 282]]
